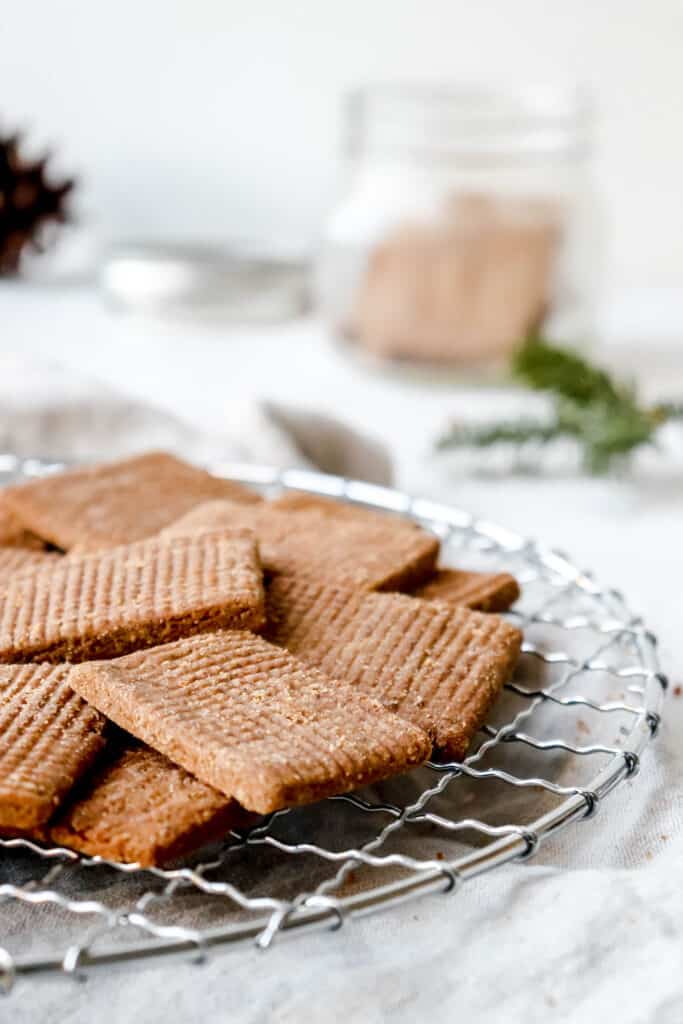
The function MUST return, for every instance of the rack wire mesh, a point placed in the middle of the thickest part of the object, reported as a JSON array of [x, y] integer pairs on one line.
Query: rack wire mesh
[[570, 727]]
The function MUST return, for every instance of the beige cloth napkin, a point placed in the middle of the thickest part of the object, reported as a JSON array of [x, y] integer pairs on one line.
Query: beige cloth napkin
[[48, 411]]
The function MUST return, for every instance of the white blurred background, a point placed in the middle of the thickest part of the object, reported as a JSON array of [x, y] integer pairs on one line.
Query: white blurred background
[[221, 119]]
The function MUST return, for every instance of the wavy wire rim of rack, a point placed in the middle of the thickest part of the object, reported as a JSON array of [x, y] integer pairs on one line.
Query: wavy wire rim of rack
[[320, 909]]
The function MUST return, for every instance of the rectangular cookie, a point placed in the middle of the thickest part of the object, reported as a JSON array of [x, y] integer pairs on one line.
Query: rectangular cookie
[[436, 666], [115, 600], [139, 807], [49, 736], [480, 591], [116, 502], [327, 540], [249, 719]]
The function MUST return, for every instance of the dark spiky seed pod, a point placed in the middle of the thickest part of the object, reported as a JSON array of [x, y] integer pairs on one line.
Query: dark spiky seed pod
[[28, 203]]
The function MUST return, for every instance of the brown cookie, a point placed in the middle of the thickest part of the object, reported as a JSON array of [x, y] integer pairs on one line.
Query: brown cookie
[[436, 666], [248, 718], [118, 599], [48, 737], [116, 502], [480, 591], [212, 515], [19, 549], [141, 808], [17, 559], [13, 533], [326, 540]]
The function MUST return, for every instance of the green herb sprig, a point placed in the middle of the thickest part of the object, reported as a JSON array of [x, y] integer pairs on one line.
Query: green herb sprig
[[601, 414]]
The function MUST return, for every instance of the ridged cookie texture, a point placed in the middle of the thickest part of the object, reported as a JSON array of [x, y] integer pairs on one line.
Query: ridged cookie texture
[[251, 720], [15, 559], [436, 666], [118, 599], [139, 807], [324, 539], [49, 737], [116, 502]]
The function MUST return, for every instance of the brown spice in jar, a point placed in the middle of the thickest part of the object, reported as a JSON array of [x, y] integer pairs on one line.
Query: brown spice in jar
[[466, 287]]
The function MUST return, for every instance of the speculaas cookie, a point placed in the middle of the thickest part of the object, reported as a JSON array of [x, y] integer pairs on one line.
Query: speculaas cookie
[[49, 737], [137, 595], [139, 807], [436, 666], [250, 719], [116, 502], [480, 591], [327, 540]]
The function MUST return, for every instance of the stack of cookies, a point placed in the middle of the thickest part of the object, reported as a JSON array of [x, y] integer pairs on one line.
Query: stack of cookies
[[179, 656]]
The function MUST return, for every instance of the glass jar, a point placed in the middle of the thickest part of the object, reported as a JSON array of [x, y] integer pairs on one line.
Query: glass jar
[[469, 220]]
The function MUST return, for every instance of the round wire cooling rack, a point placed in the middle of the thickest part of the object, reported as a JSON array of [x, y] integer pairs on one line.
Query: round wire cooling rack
[[570, 726]]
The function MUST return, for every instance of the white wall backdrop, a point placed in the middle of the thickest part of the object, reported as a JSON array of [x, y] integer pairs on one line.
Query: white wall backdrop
[[219, 118]]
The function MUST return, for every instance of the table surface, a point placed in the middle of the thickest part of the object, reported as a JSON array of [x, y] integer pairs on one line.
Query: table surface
[[628, 530]]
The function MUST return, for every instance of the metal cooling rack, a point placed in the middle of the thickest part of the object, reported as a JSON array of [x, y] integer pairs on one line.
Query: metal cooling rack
[[570, 727]]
